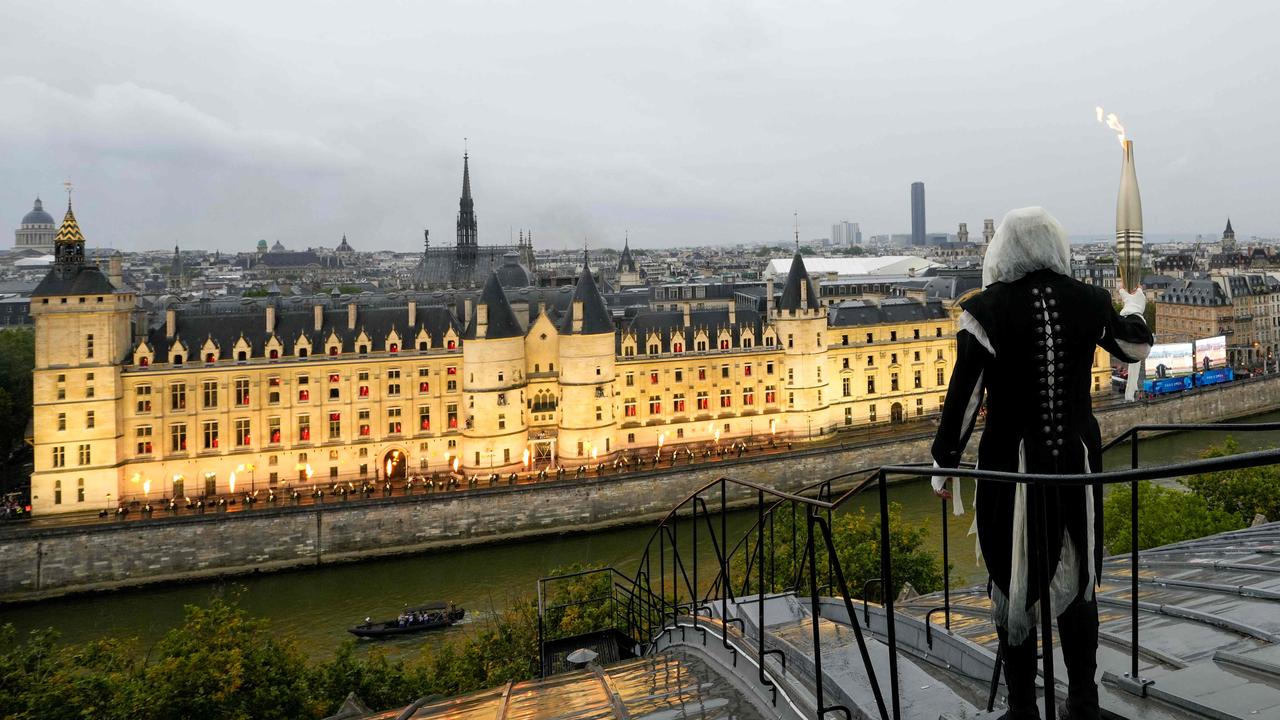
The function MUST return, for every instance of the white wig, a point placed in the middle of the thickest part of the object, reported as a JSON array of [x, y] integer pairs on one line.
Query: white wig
[[1027, 240]]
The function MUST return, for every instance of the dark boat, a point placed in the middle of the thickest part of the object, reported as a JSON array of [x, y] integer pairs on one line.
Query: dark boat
[[430, 616]]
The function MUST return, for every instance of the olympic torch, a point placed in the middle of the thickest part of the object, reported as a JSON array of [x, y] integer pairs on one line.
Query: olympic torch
[[1128, 229]]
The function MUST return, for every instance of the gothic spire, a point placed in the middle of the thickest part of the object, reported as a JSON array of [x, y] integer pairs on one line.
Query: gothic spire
[[466, 215]]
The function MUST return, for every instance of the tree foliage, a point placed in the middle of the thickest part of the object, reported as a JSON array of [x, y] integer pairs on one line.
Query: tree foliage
[[1243, 493], [222, 663], [17, 358], [856, 537], [1165, 515]]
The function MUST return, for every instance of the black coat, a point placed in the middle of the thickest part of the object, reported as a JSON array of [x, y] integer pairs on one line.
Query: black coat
[[1034, 366]]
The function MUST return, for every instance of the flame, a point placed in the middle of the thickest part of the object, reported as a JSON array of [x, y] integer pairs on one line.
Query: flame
[[455, 464], [1111, 121], [773, 426], [233, 481], [388, 467], [526, 457], [594, 454], [146, 487], [310, 472], [662, 437], [717, 436]]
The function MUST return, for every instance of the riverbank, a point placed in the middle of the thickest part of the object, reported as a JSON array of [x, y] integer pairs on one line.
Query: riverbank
[[42, 563]]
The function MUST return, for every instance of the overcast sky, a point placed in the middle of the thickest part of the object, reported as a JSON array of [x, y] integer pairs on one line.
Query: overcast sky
[[214, 124]]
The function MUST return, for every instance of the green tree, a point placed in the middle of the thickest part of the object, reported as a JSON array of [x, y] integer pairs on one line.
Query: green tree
[[1165, 515], [856, 537], [17, 358], [1243, 493]]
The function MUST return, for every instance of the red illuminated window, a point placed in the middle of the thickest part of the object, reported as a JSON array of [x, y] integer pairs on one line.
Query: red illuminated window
[[746, 371], [629, 408], [451, 370], [333, 350], [304, 395], [653, 378], [364, 430], [704, 403], [144, 362], [748, 397], [677, 347], [333, 377], [678, 403], [452, 345], [702, 373], [724, 344], [726, 400], [395, 347], [274, 355], [275, 435], [424, 386], [209, 357], [770, 396], [305, 433], [364, 391]]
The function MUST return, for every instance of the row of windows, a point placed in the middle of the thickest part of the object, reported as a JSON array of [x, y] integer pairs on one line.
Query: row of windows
[[917, 382], [893, 336], [302, 352], [702, 400], [84, 455], [701, 374], [241, 389], [700, 345], [210, 435]]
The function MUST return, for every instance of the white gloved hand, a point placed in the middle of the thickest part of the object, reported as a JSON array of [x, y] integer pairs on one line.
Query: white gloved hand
[[1134, 302]]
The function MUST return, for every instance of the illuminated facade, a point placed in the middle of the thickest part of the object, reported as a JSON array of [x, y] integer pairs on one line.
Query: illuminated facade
[[271, 393]]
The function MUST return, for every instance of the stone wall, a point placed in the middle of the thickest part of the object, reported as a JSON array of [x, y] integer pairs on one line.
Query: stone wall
[[37, 563]]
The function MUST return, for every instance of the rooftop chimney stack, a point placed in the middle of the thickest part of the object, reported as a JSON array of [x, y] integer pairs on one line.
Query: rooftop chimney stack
[[170, 323], [482, 320], [318, 312], [768, 298], [115, 271], [271, 318], [413, 313], [733, 311], [351, 316], [577, 316]]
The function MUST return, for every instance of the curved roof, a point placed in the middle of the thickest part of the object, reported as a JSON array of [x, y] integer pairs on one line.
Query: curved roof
[[500, 319], [595, 314], [511, 274], [796, 276], [37, 216]]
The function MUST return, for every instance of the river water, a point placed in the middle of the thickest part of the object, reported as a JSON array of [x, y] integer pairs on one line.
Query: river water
[[314, 607]]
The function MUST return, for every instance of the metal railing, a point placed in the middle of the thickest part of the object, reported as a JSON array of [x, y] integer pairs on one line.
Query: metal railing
[[687, 541]]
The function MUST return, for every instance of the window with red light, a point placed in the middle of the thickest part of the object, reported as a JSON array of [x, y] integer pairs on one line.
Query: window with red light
[[629, 408], [704, 403], [364, 430], [333, 377], [424, 387], [653, 378], [702, 373], [274, 355], [724, 344], [726, 399], [748, 397], [677, 347], [451, 370], [395, 347], [304, 395], [769, 395], [364, 391], [746, 370], [677, 403], [208, 357], [452, 345], [144, 362]]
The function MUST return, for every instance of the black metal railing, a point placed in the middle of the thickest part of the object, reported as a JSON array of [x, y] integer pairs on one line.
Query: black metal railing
[[687, 542]]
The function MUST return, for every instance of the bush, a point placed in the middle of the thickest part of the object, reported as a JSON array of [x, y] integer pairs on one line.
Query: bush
[[1165, 515]]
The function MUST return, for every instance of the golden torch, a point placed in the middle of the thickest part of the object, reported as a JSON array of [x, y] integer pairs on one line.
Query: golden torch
[[1128, 230]]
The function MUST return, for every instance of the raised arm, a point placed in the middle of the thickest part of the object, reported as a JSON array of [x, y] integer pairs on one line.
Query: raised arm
[[964, 396], [1126, 335]]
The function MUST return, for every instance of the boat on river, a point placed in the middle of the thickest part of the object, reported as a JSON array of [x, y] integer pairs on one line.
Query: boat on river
[[430, 616]]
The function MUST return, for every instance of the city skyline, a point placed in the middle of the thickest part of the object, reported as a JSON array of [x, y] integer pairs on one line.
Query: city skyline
[[223, 137]]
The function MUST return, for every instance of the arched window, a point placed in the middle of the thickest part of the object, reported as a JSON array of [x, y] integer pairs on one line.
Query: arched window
[[302, 352], [423, 346], [364, 349], [208, 357], [144, 362], [242, 356], [333, 350], [395, 347], [453, 345], [177, 359], [274, 354], [677, 347]]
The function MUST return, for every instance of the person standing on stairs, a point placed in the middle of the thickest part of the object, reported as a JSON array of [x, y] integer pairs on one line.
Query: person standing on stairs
[[1026, 344]]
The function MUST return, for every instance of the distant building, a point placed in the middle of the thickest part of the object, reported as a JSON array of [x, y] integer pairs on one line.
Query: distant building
[[846, 234], [988, 230], [962, 235], [36, 232], [1228, 238], [917, 214]]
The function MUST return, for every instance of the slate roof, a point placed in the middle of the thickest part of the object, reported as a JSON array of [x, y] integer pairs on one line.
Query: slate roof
[[790, 299], [670, 327], [596, 317], [853, 313], [1194, 292], [82, 280], [500, 321], [226, 323]]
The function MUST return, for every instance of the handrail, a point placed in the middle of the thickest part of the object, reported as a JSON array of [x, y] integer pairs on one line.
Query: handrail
[[660, 611]]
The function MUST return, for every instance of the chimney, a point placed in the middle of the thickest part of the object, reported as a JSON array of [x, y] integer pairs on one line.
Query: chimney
[[685, 307], [271, 318], [482, 319], [577, 316], [351, 316], [768, 297], [318, 311], [170, 323], [115, 271], [733, 311], [466, 312], [413, 313]]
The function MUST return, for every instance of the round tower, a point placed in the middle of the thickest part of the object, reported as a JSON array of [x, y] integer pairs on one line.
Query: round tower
[[801, 323], [587, 419], [494, 433]]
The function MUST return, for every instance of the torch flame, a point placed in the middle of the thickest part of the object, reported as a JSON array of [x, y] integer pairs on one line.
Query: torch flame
[[233, 482], [388, 467], [526, 457], [310, 472], [594, 454], [146, 487], [455, 464], [1112, 122]]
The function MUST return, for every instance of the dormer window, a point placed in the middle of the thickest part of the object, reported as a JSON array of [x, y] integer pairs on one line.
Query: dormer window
[[144, 362], [177, 359], [395, 347], [242, 356], [333, 350], [209, 358], [274, 354], [452, 345], [422, 346]]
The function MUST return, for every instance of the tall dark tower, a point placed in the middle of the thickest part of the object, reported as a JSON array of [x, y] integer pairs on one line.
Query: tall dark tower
[[917, 214], [466, 218]]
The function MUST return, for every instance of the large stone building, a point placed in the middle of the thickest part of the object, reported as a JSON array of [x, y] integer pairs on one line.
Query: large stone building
[[36, 232], [1191, 309], [209, 397]]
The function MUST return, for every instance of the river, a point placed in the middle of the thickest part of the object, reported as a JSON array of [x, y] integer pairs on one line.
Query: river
[[314, 607]]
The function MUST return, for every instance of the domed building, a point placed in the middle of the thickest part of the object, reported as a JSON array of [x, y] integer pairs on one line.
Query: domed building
[[37, 231], [513, 274]]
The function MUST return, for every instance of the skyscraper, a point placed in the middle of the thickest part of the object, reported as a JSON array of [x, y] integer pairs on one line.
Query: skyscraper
[[917, 214], [846, 234]]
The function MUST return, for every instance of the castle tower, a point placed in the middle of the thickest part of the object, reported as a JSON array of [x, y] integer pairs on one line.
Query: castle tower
[[586, 354], [1228, 239], [800, 321], [83, 336], [495, 434], [628, 273]]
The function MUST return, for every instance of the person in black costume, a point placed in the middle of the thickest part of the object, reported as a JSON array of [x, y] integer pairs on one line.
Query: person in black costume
[[1027, 342]]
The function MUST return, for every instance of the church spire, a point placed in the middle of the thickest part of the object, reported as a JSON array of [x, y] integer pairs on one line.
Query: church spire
[[467, 241], [69, 243]]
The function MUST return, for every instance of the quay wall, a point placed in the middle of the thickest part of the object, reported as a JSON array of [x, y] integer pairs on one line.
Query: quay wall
[[39, 562]]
